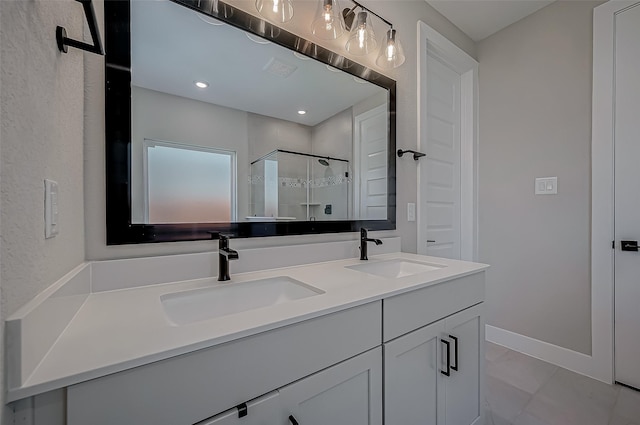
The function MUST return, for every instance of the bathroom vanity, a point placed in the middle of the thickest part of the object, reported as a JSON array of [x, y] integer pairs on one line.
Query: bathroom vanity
[[395, 340]]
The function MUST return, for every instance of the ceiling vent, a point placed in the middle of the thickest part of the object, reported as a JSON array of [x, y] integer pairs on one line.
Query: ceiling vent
[[277, 67]]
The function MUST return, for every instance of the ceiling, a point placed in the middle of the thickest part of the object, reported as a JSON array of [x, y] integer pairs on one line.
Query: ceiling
[[481, 18], [172, 46]]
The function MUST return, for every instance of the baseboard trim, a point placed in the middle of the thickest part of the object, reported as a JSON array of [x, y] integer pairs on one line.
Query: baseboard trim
[[573, 360]]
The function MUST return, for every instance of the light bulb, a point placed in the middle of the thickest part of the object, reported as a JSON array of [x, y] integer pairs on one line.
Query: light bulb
[[391, 51], [362, 36]]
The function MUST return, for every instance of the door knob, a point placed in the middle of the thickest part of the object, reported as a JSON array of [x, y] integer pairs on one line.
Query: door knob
[[629, 246]]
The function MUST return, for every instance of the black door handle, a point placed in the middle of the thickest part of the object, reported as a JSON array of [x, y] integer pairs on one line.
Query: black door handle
[[293, 420], [629, 246], [455, 352], [448, 372]]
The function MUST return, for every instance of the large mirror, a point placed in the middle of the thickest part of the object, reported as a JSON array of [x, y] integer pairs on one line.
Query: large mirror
[[218, 121]]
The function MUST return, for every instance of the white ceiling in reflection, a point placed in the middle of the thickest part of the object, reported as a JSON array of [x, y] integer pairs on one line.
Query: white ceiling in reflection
[[172, 47]]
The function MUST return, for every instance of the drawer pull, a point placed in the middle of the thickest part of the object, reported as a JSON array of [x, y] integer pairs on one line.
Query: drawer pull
[[448, 371], [455, 352], [293, 420], [242, 410]]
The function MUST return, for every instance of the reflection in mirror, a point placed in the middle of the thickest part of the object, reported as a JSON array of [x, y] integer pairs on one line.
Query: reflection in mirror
[[219, 121], [289, 185], [235, 104]]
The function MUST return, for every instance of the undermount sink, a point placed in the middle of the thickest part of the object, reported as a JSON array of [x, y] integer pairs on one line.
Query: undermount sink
[[395, 268], [197, 305]]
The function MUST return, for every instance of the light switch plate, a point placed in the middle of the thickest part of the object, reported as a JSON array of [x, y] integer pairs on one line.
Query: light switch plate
[[546, 186], [411, 211], [50, 209]]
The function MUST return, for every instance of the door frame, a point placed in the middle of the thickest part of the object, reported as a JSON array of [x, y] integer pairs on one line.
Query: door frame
[[431, 40], [602, 191]]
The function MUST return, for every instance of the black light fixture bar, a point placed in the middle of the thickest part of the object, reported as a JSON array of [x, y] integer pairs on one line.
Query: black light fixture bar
[[64, 42], [372, 12], [349, 15]]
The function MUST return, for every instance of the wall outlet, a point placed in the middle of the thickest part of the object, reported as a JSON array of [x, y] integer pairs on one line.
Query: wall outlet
[[50, 209], [546, 186], [411, 211]]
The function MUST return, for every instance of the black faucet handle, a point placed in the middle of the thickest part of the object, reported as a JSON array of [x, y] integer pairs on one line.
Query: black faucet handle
[[219, 235]]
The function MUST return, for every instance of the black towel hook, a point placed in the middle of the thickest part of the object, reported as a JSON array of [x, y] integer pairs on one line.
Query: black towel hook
[[64, 41], [416, 155]]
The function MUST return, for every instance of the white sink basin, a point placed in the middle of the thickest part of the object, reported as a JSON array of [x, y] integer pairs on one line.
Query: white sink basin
[[395, 268], [196, 305]]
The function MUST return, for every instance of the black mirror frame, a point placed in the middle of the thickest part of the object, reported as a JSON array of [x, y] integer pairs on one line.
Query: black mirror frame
[[120, 230]]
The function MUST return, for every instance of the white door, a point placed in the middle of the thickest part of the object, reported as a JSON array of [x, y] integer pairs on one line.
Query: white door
[[371, 131], [440, 170], [627, 196], [349, 393]]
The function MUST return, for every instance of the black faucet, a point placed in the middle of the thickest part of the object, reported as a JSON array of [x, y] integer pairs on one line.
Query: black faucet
[[225, 254], [363, 243]]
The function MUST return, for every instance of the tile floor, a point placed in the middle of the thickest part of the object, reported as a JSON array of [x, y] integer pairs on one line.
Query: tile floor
[[521, 390]]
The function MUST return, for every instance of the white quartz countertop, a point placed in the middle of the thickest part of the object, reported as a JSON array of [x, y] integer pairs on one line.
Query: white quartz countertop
[[118, 330]]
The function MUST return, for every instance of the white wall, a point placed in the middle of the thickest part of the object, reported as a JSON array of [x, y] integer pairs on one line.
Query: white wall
[[535, 121], [403, 14], [41, 136]]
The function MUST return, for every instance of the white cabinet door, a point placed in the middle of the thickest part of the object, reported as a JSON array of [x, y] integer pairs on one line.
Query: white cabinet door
[[264, 410], [412, 373], [465, 332], [433, 375], [349, 393]]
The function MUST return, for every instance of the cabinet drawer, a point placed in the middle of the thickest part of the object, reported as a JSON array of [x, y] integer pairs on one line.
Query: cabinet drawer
[[189, 388], [406, 312]]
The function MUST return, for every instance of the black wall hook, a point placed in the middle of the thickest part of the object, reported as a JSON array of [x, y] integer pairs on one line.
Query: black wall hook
[[416, 155], [64, 41]]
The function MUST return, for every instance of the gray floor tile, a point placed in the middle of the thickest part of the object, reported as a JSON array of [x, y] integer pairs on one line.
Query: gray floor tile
[[569, 398], [618, 420], [572, 389], [528, 419], [558, 412], [505, 401], [493, 351], [521, 371], [628, 404]]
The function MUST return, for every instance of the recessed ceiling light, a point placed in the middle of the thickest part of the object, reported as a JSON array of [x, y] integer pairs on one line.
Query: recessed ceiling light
[[302, 112], [201, 84]]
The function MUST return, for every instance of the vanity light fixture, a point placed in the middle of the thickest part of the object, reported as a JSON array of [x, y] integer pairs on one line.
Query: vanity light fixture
[[362, 40], [328, 23], [276, 10], [391, 53], [201, 84]]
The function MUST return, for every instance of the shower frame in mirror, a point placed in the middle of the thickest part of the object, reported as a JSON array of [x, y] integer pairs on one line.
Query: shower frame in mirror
[[119, 226]]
